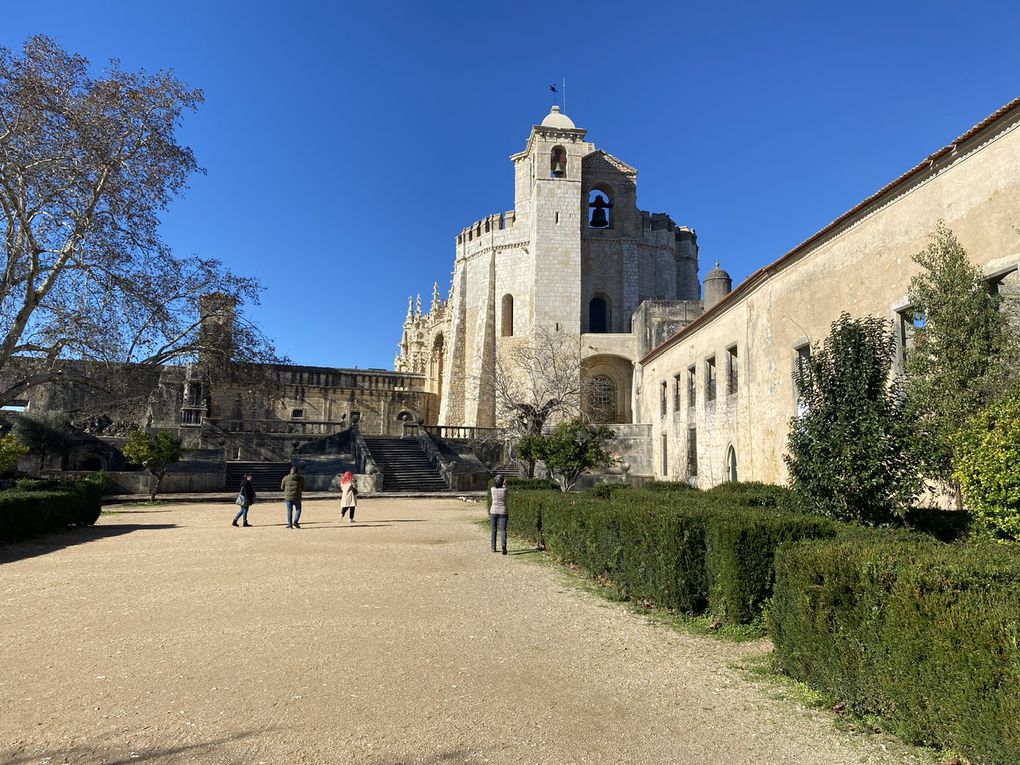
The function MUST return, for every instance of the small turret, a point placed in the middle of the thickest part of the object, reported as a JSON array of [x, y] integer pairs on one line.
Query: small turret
[[717, 286]]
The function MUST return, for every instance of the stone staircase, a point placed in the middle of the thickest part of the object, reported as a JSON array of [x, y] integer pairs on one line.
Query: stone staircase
[[265, 476], [404, 465]]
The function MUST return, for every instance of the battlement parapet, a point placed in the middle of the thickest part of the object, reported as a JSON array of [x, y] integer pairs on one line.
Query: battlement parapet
[[495, 222]]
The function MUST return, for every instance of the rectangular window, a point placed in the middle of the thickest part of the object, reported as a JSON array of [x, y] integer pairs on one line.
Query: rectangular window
[[297, 414], [692, 387], [677, 393], [710, 379], [692, 452], [801, 362], [908, 321], [662, 399], [665, 456], [731, 371]]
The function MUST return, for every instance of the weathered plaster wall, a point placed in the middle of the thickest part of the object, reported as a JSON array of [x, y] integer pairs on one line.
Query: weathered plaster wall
[[862, 267]]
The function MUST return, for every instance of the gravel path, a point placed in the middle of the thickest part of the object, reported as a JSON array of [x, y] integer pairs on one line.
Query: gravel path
[[166, 635]]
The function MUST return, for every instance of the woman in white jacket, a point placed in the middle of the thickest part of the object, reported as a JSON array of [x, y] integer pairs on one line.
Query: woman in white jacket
[[348, 495]]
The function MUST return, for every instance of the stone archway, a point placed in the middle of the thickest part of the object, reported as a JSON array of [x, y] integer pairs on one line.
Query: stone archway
[[606, 389]]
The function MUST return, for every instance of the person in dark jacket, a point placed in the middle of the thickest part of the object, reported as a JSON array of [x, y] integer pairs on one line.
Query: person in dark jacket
[[292, 486], [246, 493]]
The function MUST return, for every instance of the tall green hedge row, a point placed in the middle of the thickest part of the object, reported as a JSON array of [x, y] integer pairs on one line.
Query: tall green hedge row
[[691, 551], [35, 509], [925, 634]]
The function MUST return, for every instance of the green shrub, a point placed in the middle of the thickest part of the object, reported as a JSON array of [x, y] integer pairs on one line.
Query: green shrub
[[740, 554], [11, 450], [669, 487], [753, 494], [530, 484], [35, 511], [684, 551], [987, 465], [924, 634], [607, 490]]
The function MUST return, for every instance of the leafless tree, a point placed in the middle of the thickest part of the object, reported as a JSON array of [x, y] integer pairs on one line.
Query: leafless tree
[[538, 381], [87, 166]]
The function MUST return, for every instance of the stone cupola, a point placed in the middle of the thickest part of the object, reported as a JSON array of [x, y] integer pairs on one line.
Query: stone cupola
[[717, 286]]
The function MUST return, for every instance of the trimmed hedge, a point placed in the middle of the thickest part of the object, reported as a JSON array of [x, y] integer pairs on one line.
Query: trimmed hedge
[[926, 635], [688, 550], [41, 509]]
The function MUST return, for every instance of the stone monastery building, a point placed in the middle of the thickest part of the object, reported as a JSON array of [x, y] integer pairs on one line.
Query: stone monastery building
[[696, 379], [698, 390]]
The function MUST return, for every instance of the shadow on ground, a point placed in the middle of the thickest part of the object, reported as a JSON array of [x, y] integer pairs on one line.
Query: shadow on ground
[[170, 753], [29, 548], [453, 755]]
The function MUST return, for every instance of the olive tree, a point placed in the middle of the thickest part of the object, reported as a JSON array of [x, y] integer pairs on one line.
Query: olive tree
[[156, 452]]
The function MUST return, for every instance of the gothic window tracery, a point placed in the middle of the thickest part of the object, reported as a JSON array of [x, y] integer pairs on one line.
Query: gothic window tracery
[[602, 398]]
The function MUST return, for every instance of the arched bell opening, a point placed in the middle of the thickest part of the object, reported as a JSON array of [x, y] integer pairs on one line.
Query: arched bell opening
[[558, 162], [600, 206]]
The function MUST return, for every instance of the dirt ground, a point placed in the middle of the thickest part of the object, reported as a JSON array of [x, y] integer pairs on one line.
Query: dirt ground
[[165, 635]]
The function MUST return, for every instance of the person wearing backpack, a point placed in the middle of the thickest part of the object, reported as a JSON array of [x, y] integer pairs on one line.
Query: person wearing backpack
[[245, 498]]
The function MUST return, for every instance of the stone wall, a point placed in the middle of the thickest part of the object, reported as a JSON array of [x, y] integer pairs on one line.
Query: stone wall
[[860, 264]]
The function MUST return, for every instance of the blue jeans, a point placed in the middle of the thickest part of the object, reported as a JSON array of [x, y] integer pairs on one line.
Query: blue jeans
[[292, 505], [494, 521], [242, 513]]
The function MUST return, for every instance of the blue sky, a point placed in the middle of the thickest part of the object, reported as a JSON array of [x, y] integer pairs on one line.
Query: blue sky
[[346, 144]]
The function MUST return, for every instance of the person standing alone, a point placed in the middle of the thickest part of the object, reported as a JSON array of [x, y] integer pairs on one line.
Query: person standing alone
[[292, 486], [348, 495], [247, 493], [497, 512]]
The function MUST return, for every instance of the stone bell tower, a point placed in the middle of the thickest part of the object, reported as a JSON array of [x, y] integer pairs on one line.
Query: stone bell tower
[[548, 196]]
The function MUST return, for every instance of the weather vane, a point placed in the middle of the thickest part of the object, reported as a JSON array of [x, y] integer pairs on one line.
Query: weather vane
[[562, 93]]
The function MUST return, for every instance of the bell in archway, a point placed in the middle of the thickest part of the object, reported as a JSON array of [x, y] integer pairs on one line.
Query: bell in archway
[[559, 170], [599, 219]]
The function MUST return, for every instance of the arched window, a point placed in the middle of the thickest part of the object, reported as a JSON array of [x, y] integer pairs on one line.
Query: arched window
[[558, 162], [598, 315], [731, 464], [600, 206], [507, 316], [602, 397]]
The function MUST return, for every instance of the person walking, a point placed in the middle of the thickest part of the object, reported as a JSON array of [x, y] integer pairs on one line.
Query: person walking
[[246, 496], [497, 512], [292, 485], [348, 495]]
